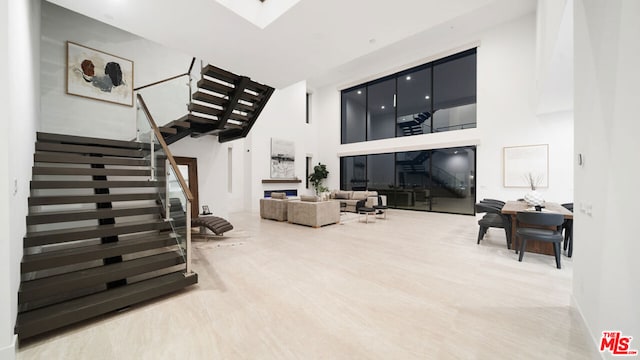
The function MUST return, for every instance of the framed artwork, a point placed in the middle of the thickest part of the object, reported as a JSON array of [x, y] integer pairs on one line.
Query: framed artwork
[[524, 164], [97, 75], [283, 158]]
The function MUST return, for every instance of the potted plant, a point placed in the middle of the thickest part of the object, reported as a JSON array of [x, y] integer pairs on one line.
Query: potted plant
[[319, 174]]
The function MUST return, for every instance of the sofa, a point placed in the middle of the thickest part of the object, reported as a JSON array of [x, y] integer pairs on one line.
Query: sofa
[[311, 211], [350, 198], [274, 208]]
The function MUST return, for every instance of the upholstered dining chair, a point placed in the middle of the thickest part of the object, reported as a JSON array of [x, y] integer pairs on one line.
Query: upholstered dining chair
[[381, 208], [567, 227], [499, 203], [552, 234], [493, 219]]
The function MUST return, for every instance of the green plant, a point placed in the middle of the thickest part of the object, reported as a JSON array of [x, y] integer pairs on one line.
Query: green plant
[[319, 174]]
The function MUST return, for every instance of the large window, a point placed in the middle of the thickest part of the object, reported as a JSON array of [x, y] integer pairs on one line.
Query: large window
[[441, 180], [433, 97]]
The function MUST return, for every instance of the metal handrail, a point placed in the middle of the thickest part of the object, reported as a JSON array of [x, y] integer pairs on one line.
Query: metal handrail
[[193, 60], [165, 147]]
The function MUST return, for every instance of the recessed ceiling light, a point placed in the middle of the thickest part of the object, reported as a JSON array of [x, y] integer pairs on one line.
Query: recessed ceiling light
[[455, 152], [408, 77], [359, 92], [427, 97], [382, 107]]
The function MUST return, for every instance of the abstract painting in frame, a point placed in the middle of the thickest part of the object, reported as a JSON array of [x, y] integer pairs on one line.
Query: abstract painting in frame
[[97, 75], [520, 161], [282, 159]]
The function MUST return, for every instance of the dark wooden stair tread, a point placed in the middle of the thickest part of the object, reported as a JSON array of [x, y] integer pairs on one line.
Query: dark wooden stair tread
[[80, 254], [214, 86], [89, 232], [68, 282], [52, 317], [204, 109], [208, 98], [82, 159], [64, 216], [96, 184], [83, 140], [51, 170], [86, 149], [86, 199]]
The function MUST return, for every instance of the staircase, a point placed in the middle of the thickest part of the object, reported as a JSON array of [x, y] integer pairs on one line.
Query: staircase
[[225, 104], [96, 241], [414, 126]]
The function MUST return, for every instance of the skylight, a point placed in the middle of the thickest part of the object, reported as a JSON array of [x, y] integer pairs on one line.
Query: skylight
[[259, 13]]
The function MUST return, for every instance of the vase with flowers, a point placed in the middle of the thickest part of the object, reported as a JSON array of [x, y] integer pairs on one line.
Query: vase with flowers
[[533, 197]]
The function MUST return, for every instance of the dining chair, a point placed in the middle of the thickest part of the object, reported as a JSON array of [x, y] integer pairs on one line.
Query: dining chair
[[567, 227], [553, 232], [493, 219], [500, 203], [381, 208]]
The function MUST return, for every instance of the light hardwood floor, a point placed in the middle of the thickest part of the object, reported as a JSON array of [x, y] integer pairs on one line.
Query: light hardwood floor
[[413, 286]]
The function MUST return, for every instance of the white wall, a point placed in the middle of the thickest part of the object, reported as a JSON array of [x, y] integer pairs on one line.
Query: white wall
[[506, 114], [606, 269], [21, 77], [68, 114], [282, 118], [212, 172]]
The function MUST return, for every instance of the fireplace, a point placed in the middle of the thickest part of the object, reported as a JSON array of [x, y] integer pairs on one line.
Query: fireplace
[[290, 192]]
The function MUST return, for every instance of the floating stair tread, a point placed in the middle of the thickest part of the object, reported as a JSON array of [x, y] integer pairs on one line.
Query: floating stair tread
[[82, 159], [179, 124], [64, 216], [168, 130], [72, 139], [90, 232], [52, 317], [46, 170], [214, 86], [132, 244], [221, 74], [68, 282], [86, 149], [205, 109], [239, 117], [96, 184], [86, 199], [208, 98], [199, 120]]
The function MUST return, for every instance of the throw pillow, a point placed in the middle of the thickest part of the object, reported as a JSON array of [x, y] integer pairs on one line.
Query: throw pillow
[[309, 198], [278, 195], [342, 196]]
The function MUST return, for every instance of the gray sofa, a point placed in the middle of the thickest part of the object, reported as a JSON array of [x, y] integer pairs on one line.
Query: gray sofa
[[274, 208], [313, 213], [351, 198]]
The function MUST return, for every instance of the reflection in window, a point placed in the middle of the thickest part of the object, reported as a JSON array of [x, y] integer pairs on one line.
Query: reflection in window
[[454, 88], [414, 102], [354, 115], [428, 180], [353, 174], [434, 97], [381, 110]]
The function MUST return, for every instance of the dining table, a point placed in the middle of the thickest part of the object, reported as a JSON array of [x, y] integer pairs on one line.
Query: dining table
[[512, 208]]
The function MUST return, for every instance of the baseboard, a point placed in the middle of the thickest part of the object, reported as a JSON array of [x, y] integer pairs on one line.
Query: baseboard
[[595, 342], [9, 352]]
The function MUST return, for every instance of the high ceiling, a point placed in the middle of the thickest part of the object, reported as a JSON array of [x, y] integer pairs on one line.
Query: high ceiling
[[316, 40]]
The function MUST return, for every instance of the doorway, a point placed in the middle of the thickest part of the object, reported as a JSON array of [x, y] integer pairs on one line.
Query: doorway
[[189, 169]]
